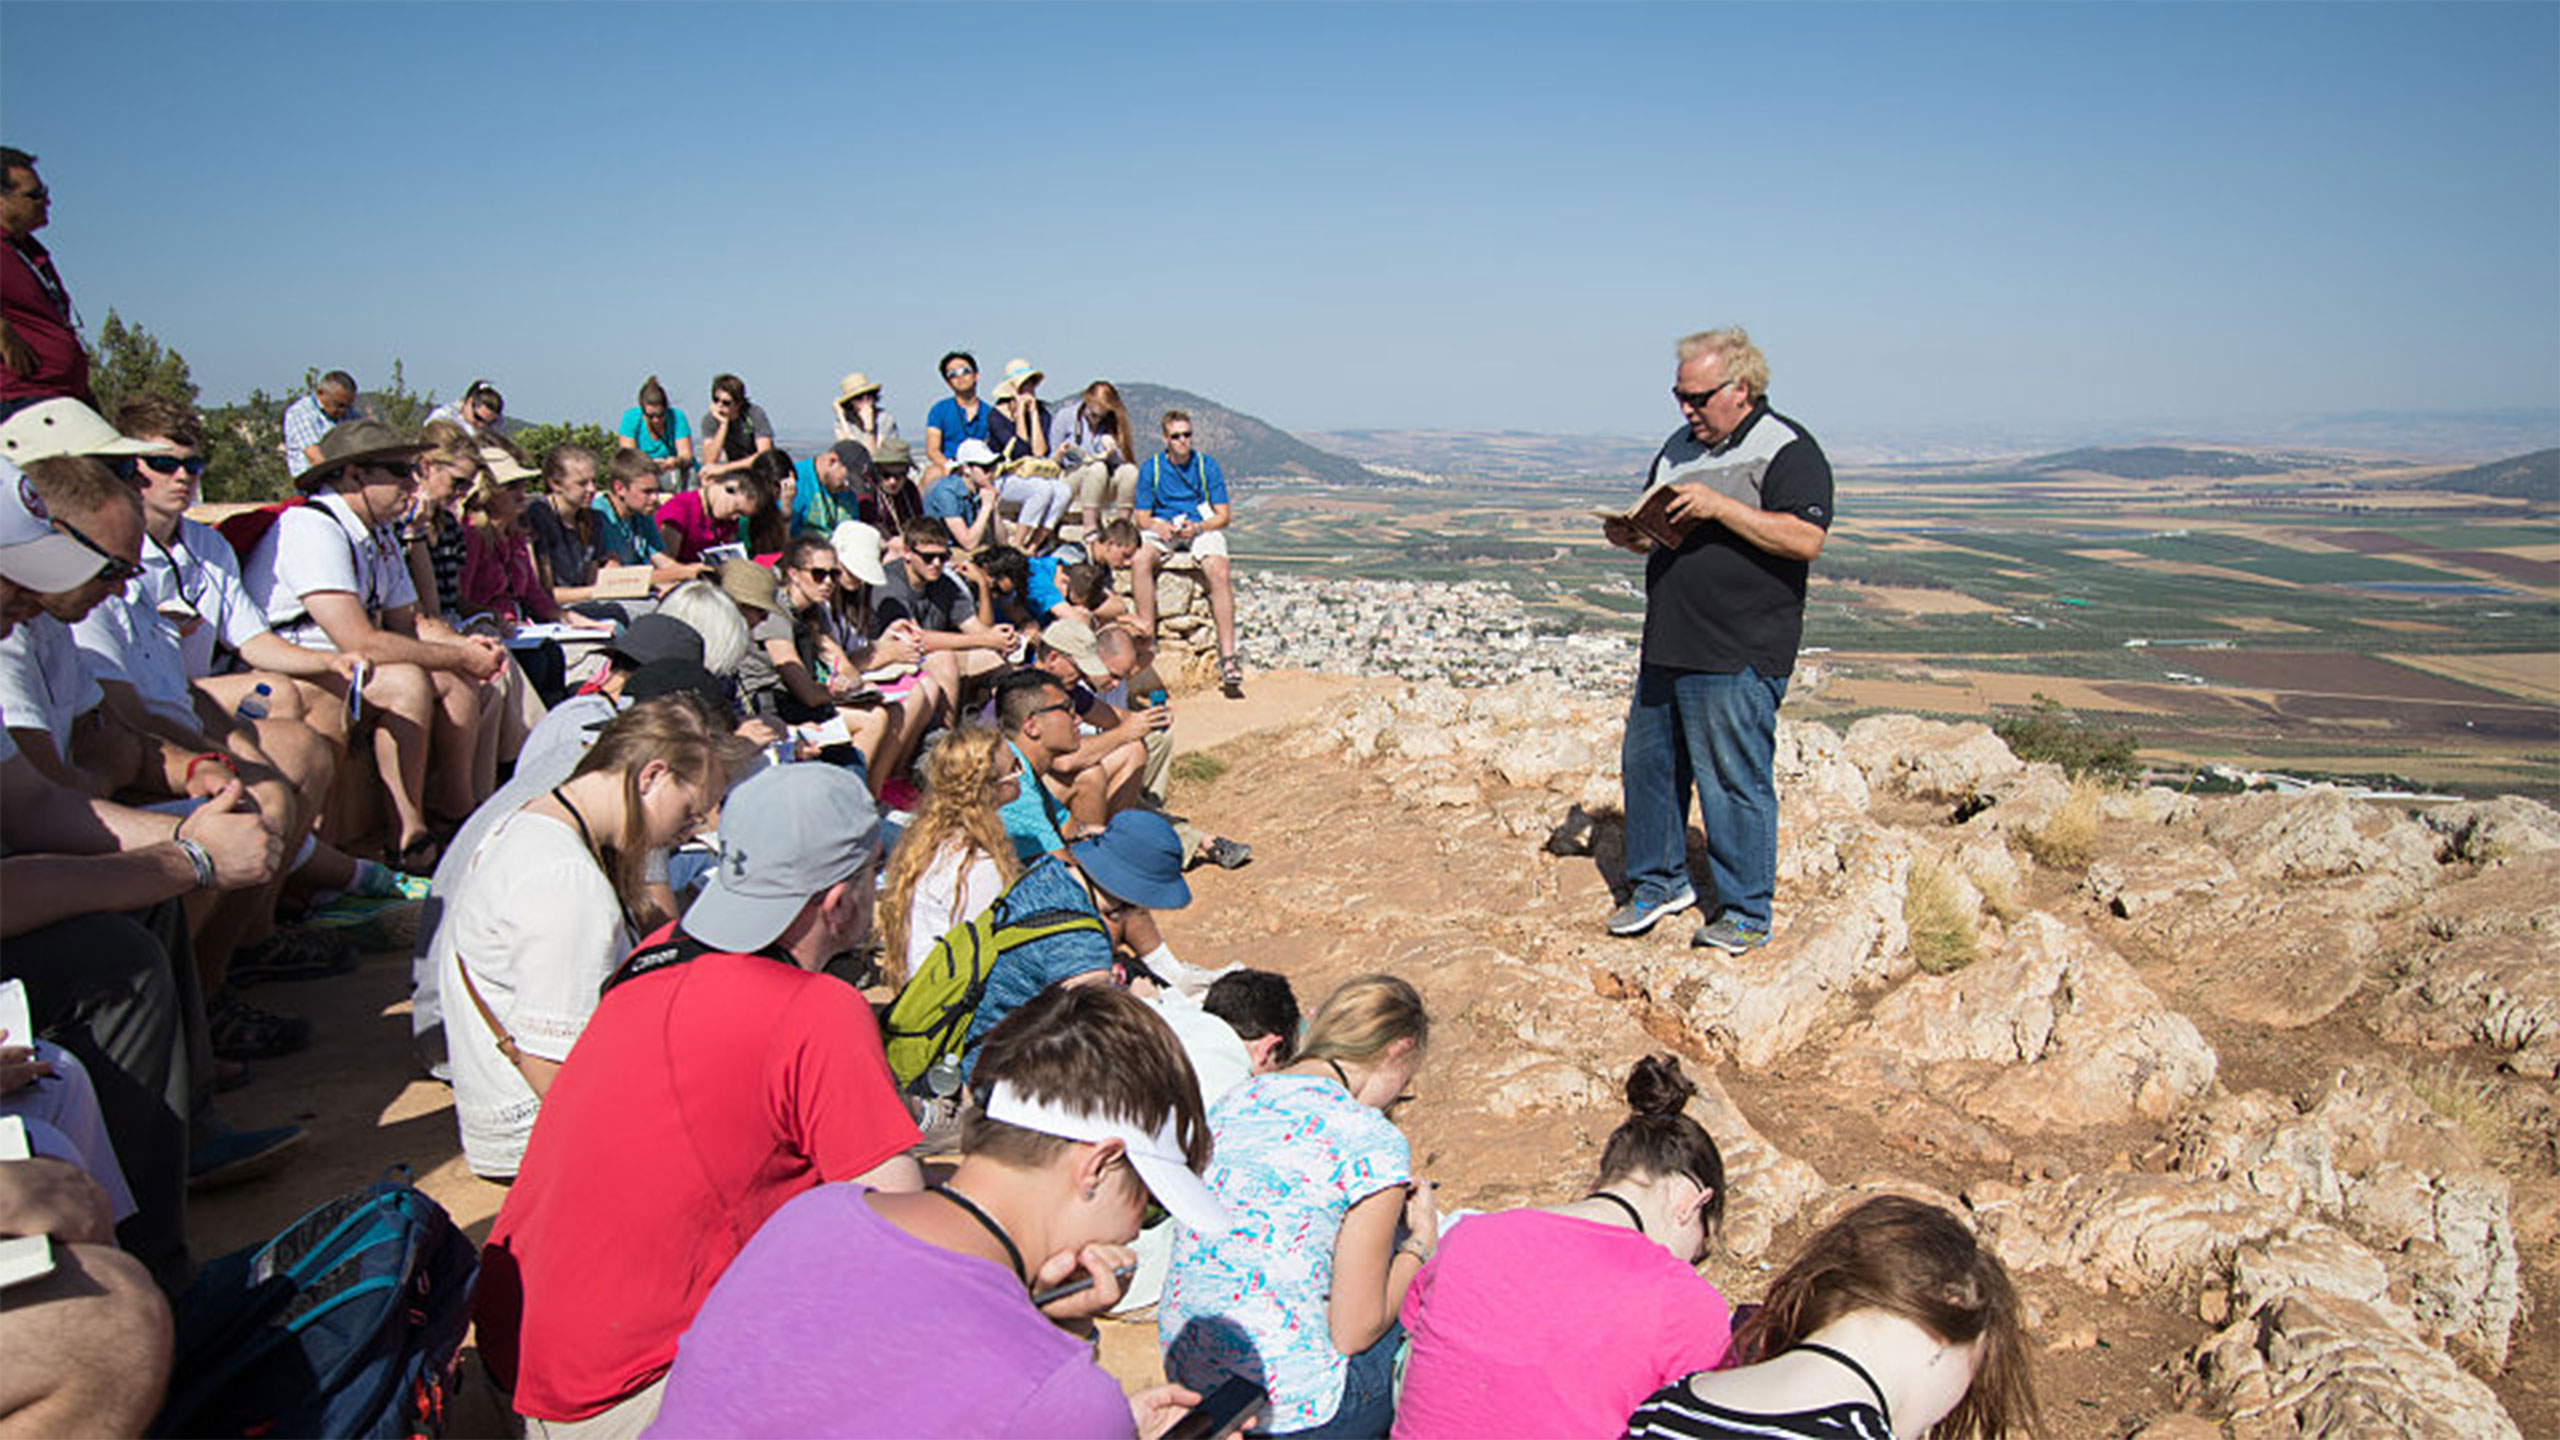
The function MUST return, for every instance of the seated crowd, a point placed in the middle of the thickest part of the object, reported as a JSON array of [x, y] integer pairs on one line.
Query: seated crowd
[[640, 742]]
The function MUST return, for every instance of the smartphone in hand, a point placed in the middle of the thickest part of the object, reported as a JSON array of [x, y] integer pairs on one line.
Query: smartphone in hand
[[1222, 1412]]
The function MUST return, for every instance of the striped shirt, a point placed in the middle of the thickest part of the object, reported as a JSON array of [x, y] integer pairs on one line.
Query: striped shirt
[[1675, 1412]]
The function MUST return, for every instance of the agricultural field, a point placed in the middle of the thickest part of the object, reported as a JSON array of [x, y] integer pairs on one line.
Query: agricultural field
[[2315, 623]]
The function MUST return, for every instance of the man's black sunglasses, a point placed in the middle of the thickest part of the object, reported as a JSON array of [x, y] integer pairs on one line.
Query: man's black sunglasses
[[1697, 399], [131, 466], [118, 569]]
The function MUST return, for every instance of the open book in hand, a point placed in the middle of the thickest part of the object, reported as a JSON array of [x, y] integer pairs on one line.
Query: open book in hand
[[1651, 517]]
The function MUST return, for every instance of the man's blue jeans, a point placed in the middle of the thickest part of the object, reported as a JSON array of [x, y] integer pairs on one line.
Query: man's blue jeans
[[1717, 731]]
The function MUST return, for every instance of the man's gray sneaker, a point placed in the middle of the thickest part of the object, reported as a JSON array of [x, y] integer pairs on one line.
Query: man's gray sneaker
[[1635, 917], [1730, 935]]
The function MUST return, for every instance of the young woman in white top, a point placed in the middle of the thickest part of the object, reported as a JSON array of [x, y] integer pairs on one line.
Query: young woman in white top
[[954, 860], [553, 900]]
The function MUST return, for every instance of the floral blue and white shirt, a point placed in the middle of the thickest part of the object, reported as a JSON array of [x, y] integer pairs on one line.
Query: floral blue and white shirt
[[1294, 1154]]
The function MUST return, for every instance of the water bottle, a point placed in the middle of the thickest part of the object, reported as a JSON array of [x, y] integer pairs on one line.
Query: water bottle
[[942, 1078], [254, 705]]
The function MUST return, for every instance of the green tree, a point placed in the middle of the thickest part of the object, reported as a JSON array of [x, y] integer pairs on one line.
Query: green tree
[[130, 361], [2050, 732], [244, 450], [395, 404], [538, 441]]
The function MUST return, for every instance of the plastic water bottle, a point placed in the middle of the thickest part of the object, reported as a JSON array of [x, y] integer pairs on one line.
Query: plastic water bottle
[[254, 705], [942, 1078]]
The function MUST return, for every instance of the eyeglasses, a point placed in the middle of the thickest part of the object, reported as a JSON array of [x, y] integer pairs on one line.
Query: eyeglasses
[[118, 569], [929, 557], [1177, 434], [1697, 399], [404, 476], [1047, 709], [821, 572], [956, 371], [161, 465]]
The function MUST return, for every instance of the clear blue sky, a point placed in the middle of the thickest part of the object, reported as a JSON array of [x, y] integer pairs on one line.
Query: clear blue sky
[[1332, 215]]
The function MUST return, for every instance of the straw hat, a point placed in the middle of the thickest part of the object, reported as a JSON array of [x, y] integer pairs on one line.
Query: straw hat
[[749, 583], [1018, 372], [855, 386], [499, 468]]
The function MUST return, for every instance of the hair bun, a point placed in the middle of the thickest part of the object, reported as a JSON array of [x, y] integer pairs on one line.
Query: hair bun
[[1656, 1086]]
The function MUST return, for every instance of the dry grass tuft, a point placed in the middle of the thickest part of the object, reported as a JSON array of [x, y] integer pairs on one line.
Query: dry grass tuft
[[2068, 839], [1199, 767], [1941, 924], [2474, 1103]]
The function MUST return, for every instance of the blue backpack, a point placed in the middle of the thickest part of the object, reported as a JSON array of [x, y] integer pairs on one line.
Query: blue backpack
[[348, 1323]]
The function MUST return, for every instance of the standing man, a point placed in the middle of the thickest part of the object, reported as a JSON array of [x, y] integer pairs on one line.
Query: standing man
[[312, 416], [1182, 508], [40, 354], [1724, 611]]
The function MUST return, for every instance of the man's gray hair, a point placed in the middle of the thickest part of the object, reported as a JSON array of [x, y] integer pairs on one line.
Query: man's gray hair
[[338, 380], [1741, 360]]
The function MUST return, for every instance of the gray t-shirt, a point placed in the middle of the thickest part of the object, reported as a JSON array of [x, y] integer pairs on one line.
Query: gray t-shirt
[[759, 683]]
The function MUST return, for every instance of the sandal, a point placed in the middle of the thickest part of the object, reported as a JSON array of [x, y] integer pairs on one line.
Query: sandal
[[242, 1031], [1222, 852], [292, 953], [1231, 672], [419, 857]]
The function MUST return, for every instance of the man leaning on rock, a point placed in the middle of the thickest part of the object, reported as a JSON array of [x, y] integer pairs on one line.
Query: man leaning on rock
[[1724, 611]]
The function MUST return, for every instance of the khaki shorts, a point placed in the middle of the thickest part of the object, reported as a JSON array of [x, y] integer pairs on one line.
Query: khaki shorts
[[1204, 544], [1101, 486]]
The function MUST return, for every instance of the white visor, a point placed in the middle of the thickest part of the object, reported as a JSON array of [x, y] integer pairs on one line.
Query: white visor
[[1157, 1157]]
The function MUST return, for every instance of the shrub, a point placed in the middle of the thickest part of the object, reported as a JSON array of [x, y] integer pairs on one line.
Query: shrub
[[1941, 924], [538, 441], [1198, 768], [2068, 839], [2473, 1103], [2050, 733]]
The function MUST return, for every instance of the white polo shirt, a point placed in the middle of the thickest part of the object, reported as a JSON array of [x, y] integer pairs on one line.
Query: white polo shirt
[[323, 547], [44, 683]]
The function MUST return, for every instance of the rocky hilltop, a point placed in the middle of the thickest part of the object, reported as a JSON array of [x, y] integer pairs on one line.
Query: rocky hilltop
[[2255, 1094]]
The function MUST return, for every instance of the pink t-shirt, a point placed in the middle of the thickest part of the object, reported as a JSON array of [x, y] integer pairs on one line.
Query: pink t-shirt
[[685, 523], [1532, 1324]]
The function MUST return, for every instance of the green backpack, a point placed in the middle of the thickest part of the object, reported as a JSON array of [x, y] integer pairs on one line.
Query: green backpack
[[930, 1018]]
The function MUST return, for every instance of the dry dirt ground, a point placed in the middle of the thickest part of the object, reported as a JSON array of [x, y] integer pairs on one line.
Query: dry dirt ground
[[1356, 871]]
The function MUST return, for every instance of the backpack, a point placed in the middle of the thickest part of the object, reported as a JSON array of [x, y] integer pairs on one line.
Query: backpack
[[930, 1018], [245, 528], [348, 1323]]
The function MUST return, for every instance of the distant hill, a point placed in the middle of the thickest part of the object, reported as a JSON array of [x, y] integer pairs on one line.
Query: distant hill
[[1244, 446], [1494, 454], [2156, 462], [2525, 477]]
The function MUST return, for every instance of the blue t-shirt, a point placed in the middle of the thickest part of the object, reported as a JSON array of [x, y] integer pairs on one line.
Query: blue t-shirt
[[950, 498], [946, 418], [1047, 886], [1181, 492], [636, 426], [815, 509], [1044, 592], [627, 542]]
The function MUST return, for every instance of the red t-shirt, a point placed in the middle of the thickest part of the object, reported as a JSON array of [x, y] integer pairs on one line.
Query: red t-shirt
[[39, 309], [700, 1098]]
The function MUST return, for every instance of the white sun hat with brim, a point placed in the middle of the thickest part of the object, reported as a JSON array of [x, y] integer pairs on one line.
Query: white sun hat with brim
[[64, 426], [858, 550], [1156, 1155], [974, 452], [34, 555]]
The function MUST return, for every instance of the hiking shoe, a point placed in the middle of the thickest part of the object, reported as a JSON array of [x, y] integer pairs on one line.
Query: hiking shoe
[[229, 1156], [1222, 852], [292, 953], [1231, 676], [377, 881], [242, 1031], [1635, 917], [367, 923], [1730, 935]]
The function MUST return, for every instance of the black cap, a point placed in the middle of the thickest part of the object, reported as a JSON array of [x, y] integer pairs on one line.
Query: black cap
[[657, 637], [851, 455], [677, 677]]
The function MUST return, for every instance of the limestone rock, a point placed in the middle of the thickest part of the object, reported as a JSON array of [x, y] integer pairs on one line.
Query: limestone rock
[[2314, 1364], [2321, 833], [2374, 1159], [2074, 1036], [2159, 871], [2501, 990], [2487, 831], [1928, 759], [1757, 1007]]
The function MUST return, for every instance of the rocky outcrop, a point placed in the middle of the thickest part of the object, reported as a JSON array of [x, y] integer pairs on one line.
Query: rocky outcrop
[[2310, 1363], [2483, 972], [2054, 1032]]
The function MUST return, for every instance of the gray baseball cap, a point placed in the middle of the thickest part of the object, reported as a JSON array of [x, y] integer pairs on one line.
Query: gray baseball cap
[[786, 833], [33, 554]]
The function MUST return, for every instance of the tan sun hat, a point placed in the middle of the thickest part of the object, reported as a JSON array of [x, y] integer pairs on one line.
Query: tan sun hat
[[855, 386], [361, 441], [1018, 372], [1004, 389], [64, 426], [749, 583]]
